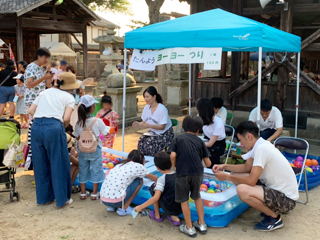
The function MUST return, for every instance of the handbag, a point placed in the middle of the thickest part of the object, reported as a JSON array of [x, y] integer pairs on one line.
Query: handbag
[[4, 80], [14, 156]]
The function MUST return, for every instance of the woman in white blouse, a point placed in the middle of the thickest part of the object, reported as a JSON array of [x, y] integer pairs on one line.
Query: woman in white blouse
[[155, 117], [213, 129]]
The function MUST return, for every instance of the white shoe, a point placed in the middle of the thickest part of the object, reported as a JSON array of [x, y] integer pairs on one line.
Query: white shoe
[[126, 212], [111, 209]]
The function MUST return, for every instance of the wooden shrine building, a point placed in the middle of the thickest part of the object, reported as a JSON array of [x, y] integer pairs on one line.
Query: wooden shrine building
[[240, 93], [22, 22]]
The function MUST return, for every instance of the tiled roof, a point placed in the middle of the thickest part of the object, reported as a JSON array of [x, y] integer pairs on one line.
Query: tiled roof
[[13, 6]]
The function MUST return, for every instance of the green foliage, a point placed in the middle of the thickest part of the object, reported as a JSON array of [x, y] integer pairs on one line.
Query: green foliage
[[122, 6], [137, 24]]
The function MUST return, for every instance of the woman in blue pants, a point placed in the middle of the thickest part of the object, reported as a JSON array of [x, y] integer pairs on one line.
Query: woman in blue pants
[[51, 113]]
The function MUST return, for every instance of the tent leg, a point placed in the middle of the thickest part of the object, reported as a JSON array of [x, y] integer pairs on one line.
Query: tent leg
[[190, 97], [259, 86], [124, 97], [297, 97]]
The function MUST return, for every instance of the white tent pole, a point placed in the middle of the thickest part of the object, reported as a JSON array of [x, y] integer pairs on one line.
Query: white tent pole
[[259, 87], [297, 97], [190, 97], [124, 97]]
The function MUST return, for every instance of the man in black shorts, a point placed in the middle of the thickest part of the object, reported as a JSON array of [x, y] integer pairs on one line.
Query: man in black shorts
[[279, 191]]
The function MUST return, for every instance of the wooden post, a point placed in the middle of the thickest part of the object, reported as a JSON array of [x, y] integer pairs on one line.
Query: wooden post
[[224, 63], [235, 58], [245, 65], [85, 50], [285, 25], [235, 73], [19, 36]]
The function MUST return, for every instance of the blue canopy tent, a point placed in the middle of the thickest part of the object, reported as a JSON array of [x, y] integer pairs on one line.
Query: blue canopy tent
[[212, 29]]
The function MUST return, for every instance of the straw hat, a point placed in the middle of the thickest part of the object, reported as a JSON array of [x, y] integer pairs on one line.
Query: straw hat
[[70, 140], [69, 81]]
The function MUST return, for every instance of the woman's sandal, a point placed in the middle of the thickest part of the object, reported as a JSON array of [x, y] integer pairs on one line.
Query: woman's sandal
[[68, 202], [83, 196], [175, 223], [95, 196]]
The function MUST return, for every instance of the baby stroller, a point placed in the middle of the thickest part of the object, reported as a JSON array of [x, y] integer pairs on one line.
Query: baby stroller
[[9, 132]]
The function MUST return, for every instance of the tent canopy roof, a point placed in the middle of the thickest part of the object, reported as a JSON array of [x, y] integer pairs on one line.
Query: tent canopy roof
[[58, 48], [214, 28]]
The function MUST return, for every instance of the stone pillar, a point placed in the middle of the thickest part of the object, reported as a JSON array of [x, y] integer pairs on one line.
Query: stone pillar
[[177, 95]]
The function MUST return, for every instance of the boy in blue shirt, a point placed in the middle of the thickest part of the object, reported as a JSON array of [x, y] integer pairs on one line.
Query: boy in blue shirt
[[187, 152]]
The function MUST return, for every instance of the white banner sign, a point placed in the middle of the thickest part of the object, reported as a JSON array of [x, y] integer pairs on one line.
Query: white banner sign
[[213, 59], [145, 61]]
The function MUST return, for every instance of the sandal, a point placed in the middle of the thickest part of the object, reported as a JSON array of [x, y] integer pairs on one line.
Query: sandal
[[68, 202], [153, 216], [175, 223], [95, 196], [83, 196]]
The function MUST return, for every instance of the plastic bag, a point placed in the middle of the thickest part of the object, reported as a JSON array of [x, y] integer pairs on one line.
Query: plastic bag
[[14, 156]]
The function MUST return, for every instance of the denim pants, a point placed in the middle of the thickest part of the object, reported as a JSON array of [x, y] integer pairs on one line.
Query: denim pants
[[51, 161], [265, 134], [90, 167]]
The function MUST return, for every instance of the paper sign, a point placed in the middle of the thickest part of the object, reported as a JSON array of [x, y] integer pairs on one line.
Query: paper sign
[[134, 213], [213, 59], [1, 55], [145, 61]]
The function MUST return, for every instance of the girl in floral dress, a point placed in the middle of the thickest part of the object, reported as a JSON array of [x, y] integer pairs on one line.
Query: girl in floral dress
[[110, 118]]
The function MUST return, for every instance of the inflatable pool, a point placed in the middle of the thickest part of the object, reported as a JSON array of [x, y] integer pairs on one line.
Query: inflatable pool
[[220, 208], [313, 178]]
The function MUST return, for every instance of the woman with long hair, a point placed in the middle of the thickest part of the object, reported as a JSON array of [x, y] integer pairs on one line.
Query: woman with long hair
[[213, 129], [155, 117]]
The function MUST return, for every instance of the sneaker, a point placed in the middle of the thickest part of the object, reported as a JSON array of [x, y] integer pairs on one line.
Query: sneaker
[[269, 224], [201, 228], [126, 212], [191, 232], [111, 209]]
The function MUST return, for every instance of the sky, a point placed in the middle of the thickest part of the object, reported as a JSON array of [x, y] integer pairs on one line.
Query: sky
[[139, 9]]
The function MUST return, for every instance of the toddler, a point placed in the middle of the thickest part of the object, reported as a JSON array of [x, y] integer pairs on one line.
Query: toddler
[[110, 118], [19, 99]]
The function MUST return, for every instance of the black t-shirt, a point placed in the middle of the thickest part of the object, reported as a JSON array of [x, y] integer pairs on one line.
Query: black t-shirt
[[190, 151], [11, 81]]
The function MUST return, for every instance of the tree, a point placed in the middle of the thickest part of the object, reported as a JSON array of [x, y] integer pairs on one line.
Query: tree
[[154, 10], [122, 6], [137, 24]]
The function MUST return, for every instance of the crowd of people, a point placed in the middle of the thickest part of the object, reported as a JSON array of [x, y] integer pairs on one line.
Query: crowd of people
[[67, 139]]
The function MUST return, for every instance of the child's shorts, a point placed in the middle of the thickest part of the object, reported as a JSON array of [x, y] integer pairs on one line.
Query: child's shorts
[[187, 184], [173, 210], [129, 192], [90, 167]]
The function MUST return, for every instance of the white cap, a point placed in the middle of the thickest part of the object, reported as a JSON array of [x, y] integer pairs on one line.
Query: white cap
[[87, 101]]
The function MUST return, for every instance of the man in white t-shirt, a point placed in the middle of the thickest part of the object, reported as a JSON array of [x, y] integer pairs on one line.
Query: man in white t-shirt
[[279, 191], [219, 109], [271, 122]]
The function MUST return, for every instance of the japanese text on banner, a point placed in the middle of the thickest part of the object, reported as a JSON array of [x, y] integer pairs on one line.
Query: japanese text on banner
[[145, 61]]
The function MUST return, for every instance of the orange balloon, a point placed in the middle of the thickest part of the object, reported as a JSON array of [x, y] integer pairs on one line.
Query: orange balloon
[[308, 162], [292, 165], [315, 162], [204, 186], [208, 203]]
